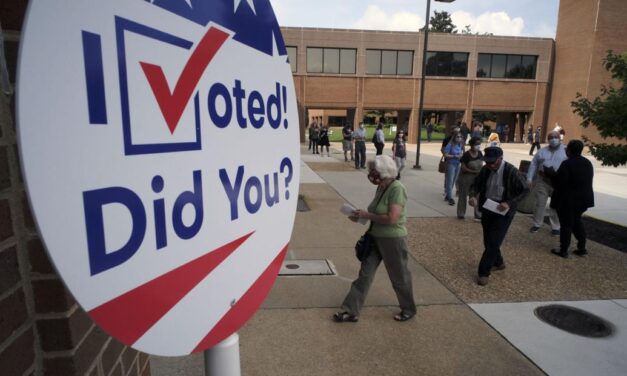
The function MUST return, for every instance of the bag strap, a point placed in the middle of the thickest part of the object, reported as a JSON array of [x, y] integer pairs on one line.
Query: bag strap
[[378, 202]]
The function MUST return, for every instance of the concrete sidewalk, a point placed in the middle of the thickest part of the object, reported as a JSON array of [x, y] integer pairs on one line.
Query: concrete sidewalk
[[460, 328]]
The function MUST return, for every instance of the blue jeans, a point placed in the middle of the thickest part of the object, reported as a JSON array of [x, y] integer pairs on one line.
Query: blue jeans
[[452, 170]]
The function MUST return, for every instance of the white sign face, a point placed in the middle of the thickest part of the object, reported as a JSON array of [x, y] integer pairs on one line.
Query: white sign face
[[160, 148]]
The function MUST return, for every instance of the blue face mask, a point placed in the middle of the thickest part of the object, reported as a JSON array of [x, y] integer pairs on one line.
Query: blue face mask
[[554, 142]]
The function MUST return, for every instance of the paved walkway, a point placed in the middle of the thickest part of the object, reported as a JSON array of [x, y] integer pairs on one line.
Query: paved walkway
[[460, 328]]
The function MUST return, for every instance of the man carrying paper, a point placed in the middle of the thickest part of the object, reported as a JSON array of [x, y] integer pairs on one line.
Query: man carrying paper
[[497, 190]]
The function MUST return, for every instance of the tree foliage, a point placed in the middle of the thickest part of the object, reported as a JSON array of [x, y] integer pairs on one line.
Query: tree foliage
[[608, 113], [441, 22]]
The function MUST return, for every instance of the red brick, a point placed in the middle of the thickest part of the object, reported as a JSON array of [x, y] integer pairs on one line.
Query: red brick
[[9, 269], [133, 370], [117, 371], [63, 366], [12, 14], [6, 222], [29, 222], [143, 359], [111, 355], [146, 370], [5, 172], [128, 358], [89, 349], [64, 333], [39, 260], [19, 355], [51, 296], [13, 314]]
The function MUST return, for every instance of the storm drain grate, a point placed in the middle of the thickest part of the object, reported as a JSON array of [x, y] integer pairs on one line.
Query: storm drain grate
[[574, 320], [306, 267]]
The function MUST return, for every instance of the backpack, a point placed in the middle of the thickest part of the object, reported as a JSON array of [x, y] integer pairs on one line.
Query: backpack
[[374, 138]]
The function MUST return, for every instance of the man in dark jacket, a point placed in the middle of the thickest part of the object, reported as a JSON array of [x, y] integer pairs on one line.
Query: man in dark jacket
[[499, 182], [572, 196]]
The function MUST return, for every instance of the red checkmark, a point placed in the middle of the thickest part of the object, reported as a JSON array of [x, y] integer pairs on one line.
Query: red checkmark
[[172, 103]]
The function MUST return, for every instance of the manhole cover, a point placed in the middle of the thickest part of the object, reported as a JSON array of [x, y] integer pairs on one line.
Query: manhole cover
[[574, 320], [292, 266], [306, 267]]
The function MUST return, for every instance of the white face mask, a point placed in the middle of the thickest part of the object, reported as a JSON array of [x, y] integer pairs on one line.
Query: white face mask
[[554, 142]]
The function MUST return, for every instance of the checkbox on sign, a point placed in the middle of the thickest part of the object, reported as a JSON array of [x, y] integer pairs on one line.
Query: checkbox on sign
[[159, 100]]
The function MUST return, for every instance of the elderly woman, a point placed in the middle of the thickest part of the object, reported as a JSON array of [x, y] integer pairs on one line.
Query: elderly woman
[[453, 153], [387, 216]]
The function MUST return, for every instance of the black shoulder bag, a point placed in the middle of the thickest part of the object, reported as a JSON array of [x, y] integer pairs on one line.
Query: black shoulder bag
[[365, 244]]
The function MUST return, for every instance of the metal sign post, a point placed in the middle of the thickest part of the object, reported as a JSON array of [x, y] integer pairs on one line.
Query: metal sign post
[[223, 358]]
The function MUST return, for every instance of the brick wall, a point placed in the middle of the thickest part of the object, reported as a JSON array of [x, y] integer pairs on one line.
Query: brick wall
[[43, 331]]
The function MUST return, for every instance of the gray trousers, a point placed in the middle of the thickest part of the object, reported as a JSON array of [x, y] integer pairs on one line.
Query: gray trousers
[[393, 252], [464, 181], [542, 192]]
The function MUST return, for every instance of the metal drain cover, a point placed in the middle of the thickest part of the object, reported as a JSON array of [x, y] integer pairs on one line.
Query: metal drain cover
[[306, 267], [574, 320]]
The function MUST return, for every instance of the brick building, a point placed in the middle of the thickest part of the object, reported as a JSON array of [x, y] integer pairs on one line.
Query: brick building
[[521, 80]]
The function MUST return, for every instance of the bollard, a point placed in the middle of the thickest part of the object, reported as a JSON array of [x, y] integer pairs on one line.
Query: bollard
[[223, 358]]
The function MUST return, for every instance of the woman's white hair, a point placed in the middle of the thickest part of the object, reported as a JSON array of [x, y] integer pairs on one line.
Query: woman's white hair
[[384, 165]]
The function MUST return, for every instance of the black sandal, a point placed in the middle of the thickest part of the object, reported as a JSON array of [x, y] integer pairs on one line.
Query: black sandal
[[344, 317], [403, 316]]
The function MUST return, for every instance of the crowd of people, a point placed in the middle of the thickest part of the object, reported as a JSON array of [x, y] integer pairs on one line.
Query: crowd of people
[[483, 180]]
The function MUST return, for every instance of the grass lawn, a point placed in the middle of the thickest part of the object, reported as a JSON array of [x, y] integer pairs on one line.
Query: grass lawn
[[335, 134]]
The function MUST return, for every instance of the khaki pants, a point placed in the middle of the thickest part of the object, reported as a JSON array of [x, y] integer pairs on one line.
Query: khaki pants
[[542, 192], [393, 252]]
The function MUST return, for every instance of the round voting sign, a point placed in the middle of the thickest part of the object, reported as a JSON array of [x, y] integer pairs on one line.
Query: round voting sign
[[160, 148]]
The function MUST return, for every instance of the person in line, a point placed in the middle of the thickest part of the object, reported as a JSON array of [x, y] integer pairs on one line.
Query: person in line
[[476, 131], [314, 136], [572, 196], [537, 136], [379, 139], [505, 137], [310, 129], [429, 128], [499, 182], [324, 140], [360, 146], [529, 139], [445, 142], [388, 217], [470, 164], [465, 131], [347, 141], [453, 153], [494, 140], [541, 171], [559, 129], [399, 150]]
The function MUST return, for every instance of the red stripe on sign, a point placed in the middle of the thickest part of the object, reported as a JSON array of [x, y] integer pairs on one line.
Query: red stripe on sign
[[245, 307], [133, 313]]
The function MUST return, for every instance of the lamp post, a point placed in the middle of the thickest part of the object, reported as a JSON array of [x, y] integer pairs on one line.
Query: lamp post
[[422, 79]]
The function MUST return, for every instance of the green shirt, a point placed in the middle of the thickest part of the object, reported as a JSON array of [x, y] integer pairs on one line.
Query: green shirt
[[395, 194]]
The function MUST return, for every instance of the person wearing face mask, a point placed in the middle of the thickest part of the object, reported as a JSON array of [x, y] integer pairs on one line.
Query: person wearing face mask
[[387, 217], [498, 181], [572, 196], [471, 164], [541, 170], [453, 153], [399, 150], [360, 146]]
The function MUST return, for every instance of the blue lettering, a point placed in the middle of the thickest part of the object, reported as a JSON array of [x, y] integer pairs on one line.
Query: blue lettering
[[221, 121], [100, 259], [189, 198]]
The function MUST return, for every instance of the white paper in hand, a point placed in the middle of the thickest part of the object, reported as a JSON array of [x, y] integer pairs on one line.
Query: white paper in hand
[[347, 210], [492, 206]]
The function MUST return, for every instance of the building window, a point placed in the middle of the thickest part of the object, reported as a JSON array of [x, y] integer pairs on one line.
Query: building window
[[389, 62], [448, 64], [331, 60], [507, 66], [291, 55]]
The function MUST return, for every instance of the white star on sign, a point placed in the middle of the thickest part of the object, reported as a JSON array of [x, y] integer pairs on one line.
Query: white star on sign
[[250, 4]]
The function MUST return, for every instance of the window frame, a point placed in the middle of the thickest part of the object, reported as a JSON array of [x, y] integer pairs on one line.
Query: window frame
[[339, 63], [507, 62], [396, 73], [450, 68], [295, 70]]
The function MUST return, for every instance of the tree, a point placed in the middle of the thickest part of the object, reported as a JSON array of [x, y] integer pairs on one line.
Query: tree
[[441, 22], [608, 113]]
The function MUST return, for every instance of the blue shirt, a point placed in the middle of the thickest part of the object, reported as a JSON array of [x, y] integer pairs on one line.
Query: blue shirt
[[453, 149]]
